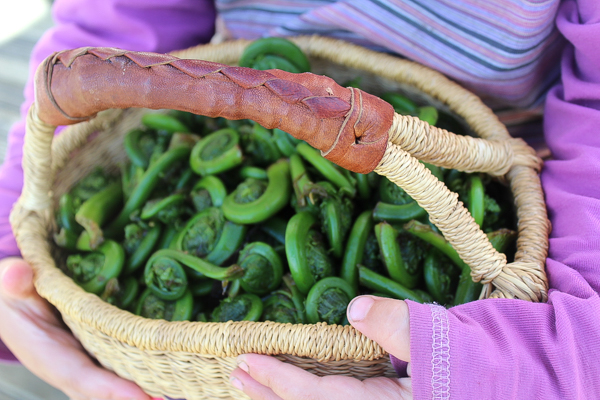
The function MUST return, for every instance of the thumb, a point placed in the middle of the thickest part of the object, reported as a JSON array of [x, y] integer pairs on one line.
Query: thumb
[[383, 320], [16, 279]]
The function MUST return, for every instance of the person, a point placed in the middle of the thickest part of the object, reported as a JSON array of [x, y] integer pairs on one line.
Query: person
[[508, 53]]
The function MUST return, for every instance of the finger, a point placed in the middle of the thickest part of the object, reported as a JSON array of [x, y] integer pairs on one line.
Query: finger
[[277, 376], [43, 345], [256, 391], [99, 383], [408, 370], [16, 279], [388, 388], [17, 290], [39, 345], [405, 385], [76, 373], [383, 320], [292, 383]]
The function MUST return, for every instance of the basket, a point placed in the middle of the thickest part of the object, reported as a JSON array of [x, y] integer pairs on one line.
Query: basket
[[193, 360]]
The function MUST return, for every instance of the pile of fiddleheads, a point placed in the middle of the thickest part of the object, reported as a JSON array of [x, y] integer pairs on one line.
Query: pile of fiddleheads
[[216, 220]]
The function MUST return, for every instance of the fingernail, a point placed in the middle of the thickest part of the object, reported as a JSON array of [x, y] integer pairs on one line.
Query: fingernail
[[243, 366], [241, 363], [359, 308], [236, 383]]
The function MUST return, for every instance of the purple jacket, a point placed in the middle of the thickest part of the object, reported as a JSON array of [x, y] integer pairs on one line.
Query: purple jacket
[[487, 349], [513, 349]]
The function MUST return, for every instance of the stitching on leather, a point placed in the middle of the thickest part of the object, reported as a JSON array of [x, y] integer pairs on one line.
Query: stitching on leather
[[47, 88], [100, 53], [173, 63], [346, 118], [360, 110]]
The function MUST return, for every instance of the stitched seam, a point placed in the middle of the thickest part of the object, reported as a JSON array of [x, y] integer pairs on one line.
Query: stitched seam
[[348, 115], [440, 360]]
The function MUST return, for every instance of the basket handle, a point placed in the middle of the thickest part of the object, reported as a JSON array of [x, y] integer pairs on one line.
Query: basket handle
[[72, 86], [349, 126], [354, 129]]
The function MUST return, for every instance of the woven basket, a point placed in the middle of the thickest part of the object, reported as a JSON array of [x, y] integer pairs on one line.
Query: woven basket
[[193, 360]]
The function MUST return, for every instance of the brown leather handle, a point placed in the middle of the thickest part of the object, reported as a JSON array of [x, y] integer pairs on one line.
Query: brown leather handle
[[349, 126]]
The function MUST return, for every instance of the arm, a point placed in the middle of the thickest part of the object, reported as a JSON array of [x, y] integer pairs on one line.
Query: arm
[[507, 348]]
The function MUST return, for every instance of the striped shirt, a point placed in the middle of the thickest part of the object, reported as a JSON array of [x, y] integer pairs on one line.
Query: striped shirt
[[506, 51]]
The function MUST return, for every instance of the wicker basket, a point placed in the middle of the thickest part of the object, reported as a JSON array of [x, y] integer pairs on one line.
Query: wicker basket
[[193, 360]]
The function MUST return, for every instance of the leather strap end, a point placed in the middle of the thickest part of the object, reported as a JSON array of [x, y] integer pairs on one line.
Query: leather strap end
[[47, 108]]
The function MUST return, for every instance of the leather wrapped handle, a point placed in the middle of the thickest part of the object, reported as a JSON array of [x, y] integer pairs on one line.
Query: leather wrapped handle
[[349, 126]]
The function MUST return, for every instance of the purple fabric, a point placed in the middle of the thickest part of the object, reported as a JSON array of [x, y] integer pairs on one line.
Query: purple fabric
[[515, 349], [486, 349], [6, 355]]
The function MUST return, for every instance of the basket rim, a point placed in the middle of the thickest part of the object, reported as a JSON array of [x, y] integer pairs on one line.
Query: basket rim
[[319, 341]]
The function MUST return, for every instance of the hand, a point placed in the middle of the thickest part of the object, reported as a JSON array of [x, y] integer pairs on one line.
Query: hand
[[36, 336], [383, 320]]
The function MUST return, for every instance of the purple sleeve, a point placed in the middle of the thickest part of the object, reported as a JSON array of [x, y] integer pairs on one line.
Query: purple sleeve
[[5, 355], [500, 348], [142, 25]]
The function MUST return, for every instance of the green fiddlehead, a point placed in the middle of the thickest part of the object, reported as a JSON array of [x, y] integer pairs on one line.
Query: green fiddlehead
[[244, 307], [216, 153], [240, 208], [94, 269], [209, 235], [262, 267], [306, 253], [328, 299], [153, 307]]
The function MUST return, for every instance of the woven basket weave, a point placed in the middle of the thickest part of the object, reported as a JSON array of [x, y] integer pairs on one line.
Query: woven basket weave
[[193, 360]]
